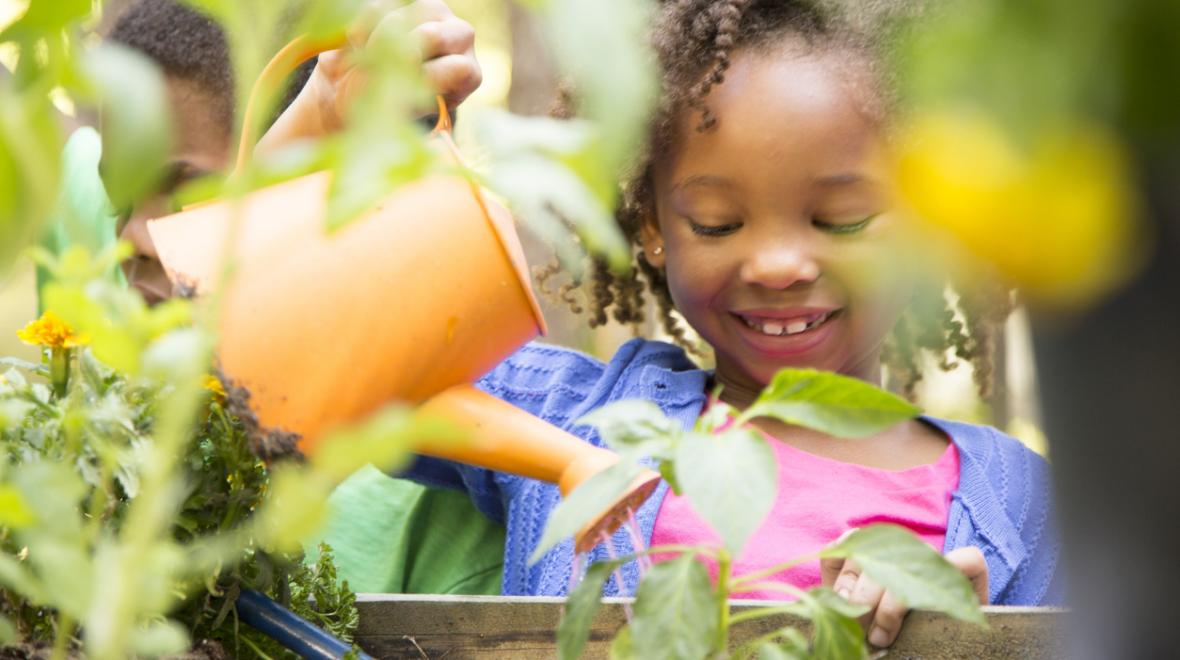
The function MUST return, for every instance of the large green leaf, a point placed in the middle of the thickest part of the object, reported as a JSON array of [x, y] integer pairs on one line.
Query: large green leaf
[[676, 612], [731, 479], [911, 570], [838, 405], [602, 45], [580, 608], [623, 646], [30, 144], [136, 121], [46, 18], [584, 504], [385, 439], [634, 427]]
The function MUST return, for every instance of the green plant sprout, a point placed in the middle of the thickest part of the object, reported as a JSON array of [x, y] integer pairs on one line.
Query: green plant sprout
[[728, 472]]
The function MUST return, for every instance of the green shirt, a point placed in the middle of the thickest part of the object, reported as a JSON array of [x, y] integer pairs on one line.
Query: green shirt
[[83, 214], [393, 536]]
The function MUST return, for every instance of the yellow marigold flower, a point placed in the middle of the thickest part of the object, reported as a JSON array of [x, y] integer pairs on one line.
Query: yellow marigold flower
[[51, 332], [213, 384], [1058, 218]]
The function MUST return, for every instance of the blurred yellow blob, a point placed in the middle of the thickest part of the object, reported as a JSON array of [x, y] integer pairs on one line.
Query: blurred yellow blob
[[1058, 218]]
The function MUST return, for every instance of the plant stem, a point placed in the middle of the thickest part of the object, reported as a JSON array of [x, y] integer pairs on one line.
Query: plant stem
[[61, 642], [760, 613], [744, 580], [59, 370], [724, 566], [779, 586]]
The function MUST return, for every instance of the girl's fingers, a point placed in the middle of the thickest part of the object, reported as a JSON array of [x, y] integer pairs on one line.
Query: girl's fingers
[[971, 563], [887, 620], [454, 36], [830, 567], [867, 592], [829, 570], [846, 579], [455, 77]]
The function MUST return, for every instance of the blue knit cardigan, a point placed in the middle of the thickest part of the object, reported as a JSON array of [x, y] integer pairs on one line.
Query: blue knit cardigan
[[1002, 506]]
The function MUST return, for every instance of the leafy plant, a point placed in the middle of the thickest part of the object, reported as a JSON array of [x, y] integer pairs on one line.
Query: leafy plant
[[161, 522], [727, 471]]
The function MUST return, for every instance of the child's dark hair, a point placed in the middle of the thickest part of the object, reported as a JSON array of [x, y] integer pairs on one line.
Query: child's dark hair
[[694, 41], [188, 45]]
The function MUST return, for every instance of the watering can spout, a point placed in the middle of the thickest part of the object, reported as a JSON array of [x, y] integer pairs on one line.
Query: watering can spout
[[501, 437]]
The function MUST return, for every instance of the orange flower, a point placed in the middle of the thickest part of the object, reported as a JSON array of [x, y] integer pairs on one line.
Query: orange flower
[[51, 332]]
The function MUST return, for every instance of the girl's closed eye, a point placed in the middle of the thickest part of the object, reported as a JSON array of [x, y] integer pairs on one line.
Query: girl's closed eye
[[845, 225], [719, 228]]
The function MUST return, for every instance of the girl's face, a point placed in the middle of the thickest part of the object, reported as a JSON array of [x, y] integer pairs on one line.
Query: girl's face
[[779, 246]]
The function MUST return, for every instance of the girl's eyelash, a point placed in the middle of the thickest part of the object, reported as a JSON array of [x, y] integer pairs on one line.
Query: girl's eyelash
[[713, 230], [844, 228]]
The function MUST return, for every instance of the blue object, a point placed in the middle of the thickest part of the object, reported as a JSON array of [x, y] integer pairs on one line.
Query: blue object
[[1003, 504], [289, 629]]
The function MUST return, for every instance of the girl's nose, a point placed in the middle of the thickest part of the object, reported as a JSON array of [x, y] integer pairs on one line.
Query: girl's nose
[[779, 265]]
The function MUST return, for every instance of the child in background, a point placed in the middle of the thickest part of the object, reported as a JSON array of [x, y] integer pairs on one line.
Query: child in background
[[762, 215], [388, 535]]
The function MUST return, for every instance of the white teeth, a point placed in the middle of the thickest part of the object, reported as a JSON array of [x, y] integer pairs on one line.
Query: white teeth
[[780, 329]]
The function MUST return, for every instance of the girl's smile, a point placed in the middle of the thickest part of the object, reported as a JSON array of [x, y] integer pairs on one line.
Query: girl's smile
[[778, 241]]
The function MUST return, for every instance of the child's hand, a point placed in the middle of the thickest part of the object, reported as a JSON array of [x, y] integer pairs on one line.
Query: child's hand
[[447, 46], [883, 620]]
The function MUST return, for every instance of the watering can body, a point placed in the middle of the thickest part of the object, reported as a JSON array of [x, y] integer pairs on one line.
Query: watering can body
[[411, 302], [426, 291]]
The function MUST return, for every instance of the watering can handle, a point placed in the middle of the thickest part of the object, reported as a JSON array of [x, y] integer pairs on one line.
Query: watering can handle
[[289, 57]]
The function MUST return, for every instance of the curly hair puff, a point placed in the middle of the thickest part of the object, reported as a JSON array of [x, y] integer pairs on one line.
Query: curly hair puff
[[694, 41]]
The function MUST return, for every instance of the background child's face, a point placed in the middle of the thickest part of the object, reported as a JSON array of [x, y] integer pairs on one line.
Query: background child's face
[[201, 144], [776, 227]]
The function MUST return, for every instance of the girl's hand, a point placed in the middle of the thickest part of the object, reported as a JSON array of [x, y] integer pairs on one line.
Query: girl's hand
[[447, 47], [886, 613]]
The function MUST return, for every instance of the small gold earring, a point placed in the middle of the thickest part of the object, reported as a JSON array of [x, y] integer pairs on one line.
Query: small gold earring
[[657, 250]]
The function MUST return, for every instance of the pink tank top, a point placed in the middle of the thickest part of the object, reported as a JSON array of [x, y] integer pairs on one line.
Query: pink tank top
[[818, 500]]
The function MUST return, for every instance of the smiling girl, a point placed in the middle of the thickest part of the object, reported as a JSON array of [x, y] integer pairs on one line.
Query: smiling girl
[[763, 215]]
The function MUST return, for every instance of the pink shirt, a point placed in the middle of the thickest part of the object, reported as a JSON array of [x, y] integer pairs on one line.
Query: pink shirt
[[818, 500]]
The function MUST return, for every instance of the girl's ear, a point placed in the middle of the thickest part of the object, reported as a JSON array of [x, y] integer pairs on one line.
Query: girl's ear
[[651, 239]]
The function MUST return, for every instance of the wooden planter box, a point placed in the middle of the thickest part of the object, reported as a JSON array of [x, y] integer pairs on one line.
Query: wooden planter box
[[456, 627]]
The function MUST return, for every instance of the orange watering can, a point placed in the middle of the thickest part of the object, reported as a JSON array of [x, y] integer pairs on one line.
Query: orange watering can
[[411, 302]]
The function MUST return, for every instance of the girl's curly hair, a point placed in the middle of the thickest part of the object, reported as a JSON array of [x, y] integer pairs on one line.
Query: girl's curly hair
[[694, 41]]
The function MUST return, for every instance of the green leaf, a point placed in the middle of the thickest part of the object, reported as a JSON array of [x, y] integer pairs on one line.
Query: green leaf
[[7, 631], [912, 570], [785, 651], [580, 608], [43, 18], [836, 631], [30, 168], [14, 513], [603, 46], [295, 509], [584, 504], [623, 646], [676, 611], [634, 427], [731, 479], [837, 405], [160, 639], [386, 440], [136, 120]]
